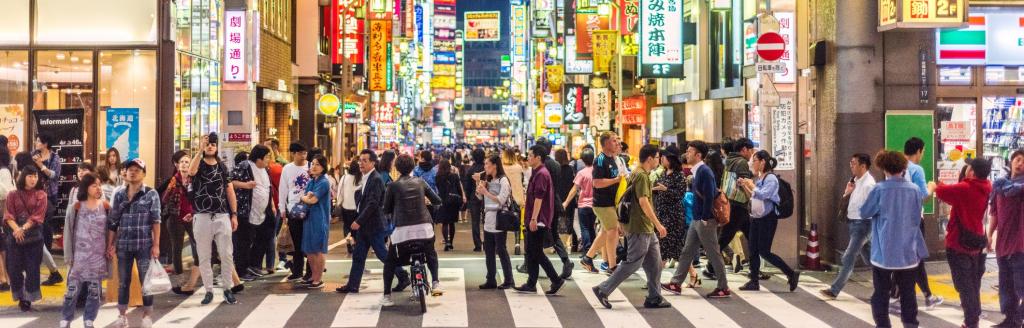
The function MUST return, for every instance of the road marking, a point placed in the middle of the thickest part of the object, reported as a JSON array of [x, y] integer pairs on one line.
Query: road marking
[[774, 306], [16, 321], [190, 312], [531, 310], [274, 311], [362, 309], [450, 309], [844, 302], [692, 305], [622, 314]]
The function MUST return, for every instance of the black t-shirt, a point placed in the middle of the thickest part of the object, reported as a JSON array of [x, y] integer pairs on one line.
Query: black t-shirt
[[209, 189], [605, 168]]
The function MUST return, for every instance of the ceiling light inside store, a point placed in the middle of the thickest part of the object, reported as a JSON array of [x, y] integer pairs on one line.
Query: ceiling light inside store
[[87, 61], [60, 56], [53, 85], [74, 59]]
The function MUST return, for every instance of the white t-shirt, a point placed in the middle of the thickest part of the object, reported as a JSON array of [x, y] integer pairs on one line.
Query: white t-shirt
[[260, 195], [347, 192], [292, 185]]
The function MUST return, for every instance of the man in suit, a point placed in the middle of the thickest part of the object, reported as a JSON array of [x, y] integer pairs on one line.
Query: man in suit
[[370, 226]]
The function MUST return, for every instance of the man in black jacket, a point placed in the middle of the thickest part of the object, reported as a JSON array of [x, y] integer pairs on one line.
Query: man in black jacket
[[474, 204], [370, 226]]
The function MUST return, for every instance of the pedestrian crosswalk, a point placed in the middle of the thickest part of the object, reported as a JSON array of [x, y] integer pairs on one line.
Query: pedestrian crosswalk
[[463, 305]]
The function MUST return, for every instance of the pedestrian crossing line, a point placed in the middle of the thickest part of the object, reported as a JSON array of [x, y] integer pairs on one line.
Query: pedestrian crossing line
[[450, 309], [623, 315], [189, 312], [362, 309], [951, 315], [16, 322], [692, 305], [105, 317], [844, 302], [531, 310], [274, 311], [774, 306]]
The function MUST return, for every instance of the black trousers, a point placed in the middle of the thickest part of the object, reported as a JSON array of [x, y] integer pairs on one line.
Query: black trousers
[[739, 221], [242, 239], [535, 257], [494, 244], [176, 231], [262, 242], [883, 280], [400, 254], [762, 233], [476, 220], [556, 242], [967, 270], [298, 257]]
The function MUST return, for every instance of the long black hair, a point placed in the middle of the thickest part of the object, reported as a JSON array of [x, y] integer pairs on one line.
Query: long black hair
[[5, 154], [354, 171], [83, 186], [499, 170], [770, 163], [387, 160]]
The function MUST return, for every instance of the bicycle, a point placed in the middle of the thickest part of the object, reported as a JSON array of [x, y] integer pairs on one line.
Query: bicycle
[[420, 286]]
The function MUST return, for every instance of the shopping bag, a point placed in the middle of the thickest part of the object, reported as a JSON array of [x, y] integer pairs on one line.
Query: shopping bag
[[157, 280], [284, 240]]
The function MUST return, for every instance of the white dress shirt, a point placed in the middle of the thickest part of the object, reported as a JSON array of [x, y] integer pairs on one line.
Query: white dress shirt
[[862, 187]]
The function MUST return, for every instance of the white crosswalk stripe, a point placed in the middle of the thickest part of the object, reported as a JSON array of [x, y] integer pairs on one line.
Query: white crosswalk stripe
[[16, 322], [531, 310], [450, 309], [274, 311], [692, 305], [846, 303], [362, 309], [622, 314], [774, 306], [190, 312]]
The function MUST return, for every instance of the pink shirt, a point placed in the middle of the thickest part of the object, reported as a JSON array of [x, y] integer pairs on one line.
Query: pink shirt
[[584, 182]]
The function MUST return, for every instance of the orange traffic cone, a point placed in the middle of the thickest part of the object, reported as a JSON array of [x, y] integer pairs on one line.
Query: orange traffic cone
[[813, 259]]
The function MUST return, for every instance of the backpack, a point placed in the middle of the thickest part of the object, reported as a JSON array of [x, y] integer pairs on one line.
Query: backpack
[[626, 204], [784, 208]]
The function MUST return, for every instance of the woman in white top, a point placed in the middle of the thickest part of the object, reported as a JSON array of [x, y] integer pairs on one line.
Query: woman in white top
[[346, 196], [494, 189], [514, 172]]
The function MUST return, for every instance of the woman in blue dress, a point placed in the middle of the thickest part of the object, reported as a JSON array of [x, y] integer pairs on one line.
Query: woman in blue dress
[[315, 228]]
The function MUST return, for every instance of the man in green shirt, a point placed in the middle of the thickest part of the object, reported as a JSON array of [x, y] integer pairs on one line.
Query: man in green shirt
[[643, 248]]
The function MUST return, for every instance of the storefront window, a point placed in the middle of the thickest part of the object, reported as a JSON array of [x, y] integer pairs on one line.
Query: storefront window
[[14, 20], [954, 75], [1002, 124], [61, 22], [63, 79], [1004, 75], [127, 95], [13, 97]]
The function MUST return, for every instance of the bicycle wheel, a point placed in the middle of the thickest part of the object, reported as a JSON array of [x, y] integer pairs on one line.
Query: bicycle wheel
[[423, 299]]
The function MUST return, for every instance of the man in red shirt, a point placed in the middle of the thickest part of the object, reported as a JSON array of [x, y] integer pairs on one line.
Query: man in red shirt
[[540, 209], [1007, 218], [274, 170], [969, 199]]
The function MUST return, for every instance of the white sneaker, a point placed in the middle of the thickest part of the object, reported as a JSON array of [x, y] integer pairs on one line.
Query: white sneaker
[[64, 324], [122, 322], [386, 301], [87, 324], [147, 322], [932, 301], [436, 290]]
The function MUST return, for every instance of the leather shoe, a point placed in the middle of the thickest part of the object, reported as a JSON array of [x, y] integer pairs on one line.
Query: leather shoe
[[489, 285], [346, 290], [526, 289], [660, 304], [506, 285], [555, 286]]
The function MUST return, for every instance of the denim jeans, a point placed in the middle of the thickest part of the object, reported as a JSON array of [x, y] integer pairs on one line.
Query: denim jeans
[[884, 280], [860, 234], [92, 299], [587, 228], [125, 259], [1011, 286], [378, 241], [967, 270]]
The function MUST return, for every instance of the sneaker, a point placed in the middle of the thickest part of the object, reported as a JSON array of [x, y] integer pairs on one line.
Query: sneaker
[[347, 290], [247, 277], [255, 272], [238, 288], [526, 289], [708, 274], [315, 285], [402, 284], [794, 280], [660, 304], [147, 322], [604, 266], [673, 288], [122, 322], [828, 293], [932, 301], [588, 264], [719, 293], [436, 290], [229, 297], [294, 277], [179, 291], [281, 266], [521, 268], [64, 324], [752, 285], [386, 301], [566, 270], [54, 279], [88, 324], [207, 298], [894, 306], [555, 286], [602, 297]]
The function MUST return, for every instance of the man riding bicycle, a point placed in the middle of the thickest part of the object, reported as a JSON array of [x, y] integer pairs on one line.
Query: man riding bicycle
[[405, 199]]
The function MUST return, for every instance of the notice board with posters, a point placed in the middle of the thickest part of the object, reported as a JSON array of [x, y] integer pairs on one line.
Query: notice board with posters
[[901, 125], [66, 128]]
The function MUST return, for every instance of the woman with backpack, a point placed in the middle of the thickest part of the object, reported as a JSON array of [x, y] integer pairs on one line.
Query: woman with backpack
[[449, 187], [85, 240], [765, 200]]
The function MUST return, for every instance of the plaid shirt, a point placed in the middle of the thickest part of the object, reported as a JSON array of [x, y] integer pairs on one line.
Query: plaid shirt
[[52, 183], [134, 220]]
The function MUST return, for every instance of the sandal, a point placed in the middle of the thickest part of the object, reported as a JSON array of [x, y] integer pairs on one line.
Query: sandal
[[694, 282]]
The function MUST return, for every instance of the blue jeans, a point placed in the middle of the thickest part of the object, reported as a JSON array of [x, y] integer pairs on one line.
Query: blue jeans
[[860, 234], [92, 300], [125, 259], [378, 241], [1011, 287], [587, 222]]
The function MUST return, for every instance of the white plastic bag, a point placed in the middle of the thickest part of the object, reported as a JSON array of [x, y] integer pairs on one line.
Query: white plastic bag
[[157, 280]]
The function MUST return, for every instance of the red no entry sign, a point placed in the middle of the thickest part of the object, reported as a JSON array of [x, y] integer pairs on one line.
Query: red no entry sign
[[770, 46]]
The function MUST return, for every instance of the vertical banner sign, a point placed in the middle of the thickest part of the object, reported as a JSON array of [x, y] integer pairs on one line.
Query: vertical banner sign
[[787, 28], [123, 131], [601, 108], [377, 72], [783, 142], [66, 128], [605, 43], [587, 21], [12, 126], [661, 38], [575, 96], [629, 16], [234, 46]]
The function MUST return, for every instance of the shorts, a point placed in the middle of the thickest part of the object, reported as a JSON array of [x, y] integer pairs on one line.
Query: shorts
[[608, 217]]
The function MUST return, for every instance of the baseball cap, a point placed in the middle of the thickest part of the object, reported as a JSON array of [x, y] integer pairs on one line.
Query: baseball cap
[[136, 162]]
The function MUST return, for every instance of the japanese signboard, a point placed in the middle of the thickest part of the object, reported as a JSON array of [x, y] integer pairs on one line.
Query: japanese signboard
[[552, 116], [379, 67], [555, 75], [634, 110], [518, 33], [787, 28], [783, 142], [572, 64], [234, 46], [605, 44], [661, 38], [575, 96], [12, 126], [123, 131], [921, 13], [629, 16], [482, 25], [601, 108], [588, 21], [349, 38]]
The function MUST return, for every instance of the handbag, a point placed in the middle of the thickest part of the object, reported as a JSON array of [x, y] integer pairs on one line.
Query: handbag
[[970, 240], [32, 235], [299, 211], [508, 218]]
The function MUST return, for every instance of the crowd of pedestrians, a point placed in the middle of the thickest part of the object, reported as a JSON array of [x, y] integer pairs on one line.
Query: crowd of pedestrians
[[666, 208]]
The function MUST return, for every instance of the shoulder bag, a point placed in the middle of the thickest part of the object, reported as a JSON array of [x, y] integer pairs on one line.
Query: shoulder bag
[[33, 234], [970, 240], [508, 218]]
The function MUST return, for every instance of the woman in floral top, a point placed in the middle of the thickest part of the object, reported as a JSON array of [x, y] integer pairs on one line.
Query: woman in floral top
[[85, 238], [669, 190]]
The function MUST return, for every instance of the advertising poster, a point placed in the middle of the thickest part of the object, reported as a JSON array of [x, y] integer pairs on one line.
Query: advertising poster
[[587, 21], [605, 44], [12, 126], [555, 76], [572, 64], [783, 141], [379, 69], [482, 26], [601, 108], [661, 39], [575, 96], [67, 128], [123, 131]]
